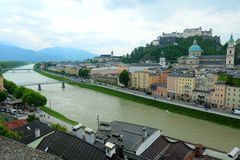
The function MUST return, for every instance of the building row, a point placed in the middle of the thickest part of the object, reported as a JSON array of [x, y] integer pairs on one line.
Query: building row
[[202, 88]]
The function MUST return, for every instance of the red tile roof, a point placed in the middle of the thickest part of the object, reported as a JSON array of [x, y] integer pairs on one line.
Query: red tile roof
[[15, 124]]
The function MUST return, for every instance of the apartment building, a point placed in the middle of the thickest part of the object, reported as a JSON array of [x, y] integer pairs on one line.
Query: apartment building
[[232, 97], [172, 81], [143, 79], [218, 96], [158, 90], [205, 84], [185, 85]]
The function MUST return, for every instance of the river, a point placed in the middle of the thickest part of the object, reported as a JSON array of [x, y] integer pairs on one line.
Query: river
[[83, 105]]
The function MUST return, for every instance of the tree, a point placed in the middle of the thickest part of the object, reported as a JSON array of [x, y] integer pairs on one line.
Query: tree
[[19, 91], [4, 131], [3, 96], [34, 98], [124, 78], [9, 86], [32, 118], [83, 72]]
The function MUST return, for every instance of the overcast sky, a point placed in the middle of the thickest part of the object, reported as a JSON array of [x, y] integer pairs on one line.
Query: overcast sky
[[100, 26]]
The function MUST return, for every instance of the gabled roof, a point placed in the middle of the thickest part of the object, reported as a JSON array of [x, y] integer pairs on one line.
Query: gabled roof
[[27, 131], [69, 147], [131, 135], [163, 149], [105, 56], [15, 124]]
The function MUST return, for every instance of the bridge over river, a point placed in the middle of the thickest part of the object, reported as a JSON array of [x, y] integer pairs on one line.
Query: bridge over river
[[84, 105], [39, 84]]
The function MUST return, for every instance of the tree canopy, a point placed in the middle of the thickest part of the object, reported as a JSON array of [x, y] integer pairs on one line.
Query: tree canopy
[[124, 77], [83, 72], [35, 99], [4, 131], [3, 96], [28, 96], [32, 118]]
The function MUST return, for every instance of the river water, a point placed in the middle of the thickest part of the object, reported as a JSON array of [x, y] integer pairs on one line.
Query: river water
[[83, 105]]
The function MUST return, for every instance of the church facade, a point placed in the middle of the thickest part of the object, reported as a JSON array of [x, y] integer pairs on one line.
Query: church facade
[[196, 59]]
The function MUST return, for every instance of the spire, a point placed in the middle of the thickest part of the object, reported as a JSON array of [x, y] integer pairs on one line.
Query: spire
[[195, 42], [231, 40], [162, 54]]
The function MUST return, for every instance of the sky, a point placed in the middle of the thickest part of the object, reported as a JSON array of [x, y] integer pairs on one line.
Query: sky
[[100, 26]]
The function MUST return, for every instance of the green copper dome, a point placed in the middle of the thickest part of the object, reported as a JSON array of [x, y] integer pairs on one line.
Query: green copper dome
[[195, 47]]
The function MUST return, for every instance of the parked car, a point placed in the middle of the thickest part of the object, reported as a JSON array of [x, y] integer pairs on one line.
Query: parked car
[[13, 111], [207, 106], [20, 111], [236, 111], [168, 98], [2, 110]]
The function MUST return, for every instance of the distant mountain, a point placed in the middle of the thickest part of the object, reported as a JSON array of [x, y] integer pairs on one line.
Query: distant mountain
[[8, 43], [67, 53], [8, 52]]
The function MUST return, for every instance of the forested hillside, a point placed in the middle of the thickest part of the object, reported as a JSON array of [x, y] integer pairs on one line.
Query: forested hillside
[[5, 65], [172, 52]]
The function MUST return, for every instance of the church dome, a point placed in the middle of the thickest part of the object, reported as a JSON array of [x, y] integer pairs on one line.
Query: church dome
[[195, 47]]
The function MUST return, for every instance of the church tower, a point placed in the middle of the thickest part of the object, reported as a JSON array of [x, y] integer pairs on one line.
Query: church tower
[[230, 53], [112, 55], [162, 60]]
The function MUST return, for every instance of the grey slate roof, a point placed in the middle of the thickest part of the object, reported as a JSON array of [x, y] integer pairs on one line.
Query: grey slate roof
[[213, 57], [13, 150], [212, 62], [69, 147], [28, 131], [131, 134], [163, 149]]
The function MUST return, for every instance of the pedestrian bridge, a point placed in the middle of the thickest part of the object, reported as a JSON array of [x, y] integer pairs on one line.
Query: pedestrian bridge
[[21, 69], [39, 84]]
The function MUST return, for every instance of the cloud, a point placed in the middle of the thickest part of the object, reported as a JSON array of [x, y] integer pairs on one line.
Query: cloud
[[104, 25]]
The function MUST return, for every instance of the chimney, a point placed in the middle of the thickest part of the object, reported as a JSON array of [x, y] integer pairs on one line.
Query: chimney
[[110, 149], [89, 135], [234, 153], [78, 130], [37, 132], [199, 150], [144, 133]]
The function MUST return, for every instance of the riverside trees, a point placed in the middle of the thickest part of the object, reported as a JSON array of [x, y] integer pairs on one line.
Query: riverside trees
[[124, 78], [29, 96]]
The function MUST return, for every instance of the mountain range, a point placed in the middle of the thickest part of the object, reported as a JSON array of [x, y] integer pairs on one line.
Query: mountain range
[[11, 52]]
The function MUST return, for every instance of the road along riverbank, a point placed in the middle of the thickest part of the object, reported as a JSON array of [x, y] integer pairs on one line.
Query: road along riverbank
[[219, 119]]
